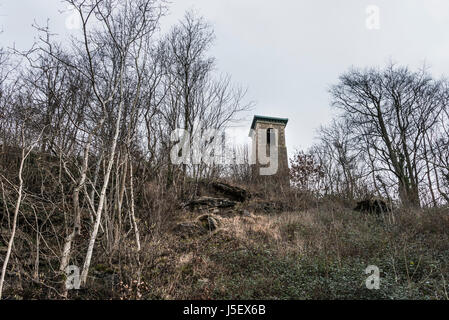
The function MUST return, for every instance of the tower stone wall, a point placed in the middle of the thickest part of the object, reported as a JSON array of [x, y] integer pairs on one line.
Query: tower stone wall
[[261, 143]]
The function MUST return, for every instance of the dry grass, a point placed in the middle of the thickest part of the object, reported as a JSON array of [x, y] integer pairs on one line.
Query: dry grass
[[314, 254], [319, 253]]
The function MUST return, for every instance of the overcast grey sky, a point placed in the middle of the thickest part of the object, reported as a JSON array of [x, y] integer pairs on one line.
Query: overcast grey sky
[[287, 52]]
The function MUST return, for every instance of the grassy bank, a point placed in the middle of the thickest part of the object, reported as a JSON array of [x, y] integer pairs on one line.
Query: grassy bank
[[315, 254], [320, 253]]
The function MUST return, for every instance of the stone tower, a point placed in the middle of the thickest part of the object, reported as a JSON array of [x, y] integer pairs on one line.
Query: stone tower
[[269, 151]]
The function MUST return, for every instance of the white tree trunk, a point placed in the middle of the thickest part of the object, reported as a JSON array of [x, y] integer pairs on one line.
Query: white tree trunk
[[94, 233], [76, 211], [14, 223], [133, 217]]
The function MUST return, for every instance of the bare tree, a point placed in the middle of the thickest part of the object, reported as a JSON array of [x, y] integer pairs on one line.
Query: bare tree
[[105, 105], [197, 99], [390, 111], [338, 147], [26, 149]]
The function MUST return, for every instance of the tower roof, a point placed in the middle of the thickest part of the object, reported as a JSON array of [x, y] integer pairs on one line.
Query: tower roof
[[268, 119]]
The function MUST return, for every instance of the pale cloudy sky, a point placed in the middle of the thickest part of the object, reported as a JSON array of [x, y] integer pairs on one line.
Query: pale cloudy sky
[[287, 52]]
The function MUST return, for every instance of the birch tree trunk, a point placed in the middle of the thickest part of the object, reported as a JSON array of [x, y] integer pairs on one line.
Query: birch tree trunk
[[94, 233], [16, 213], [133, 216]]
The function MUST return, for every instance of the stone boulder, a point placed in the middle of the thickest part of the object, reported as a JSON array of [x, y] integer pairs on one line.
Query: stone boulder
[[209, 222], [203, 224]]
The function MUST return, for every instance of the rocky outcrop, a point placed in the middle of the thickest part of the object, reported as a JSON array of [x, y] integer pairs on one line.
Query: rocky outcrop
[[376, 206], [231, 192], [210, 202], [217, 195], [216, 198]]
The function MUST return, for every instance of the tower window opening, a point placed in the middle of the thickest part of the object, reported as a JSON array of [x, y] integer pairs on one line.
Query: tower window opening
[[270, 134]]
